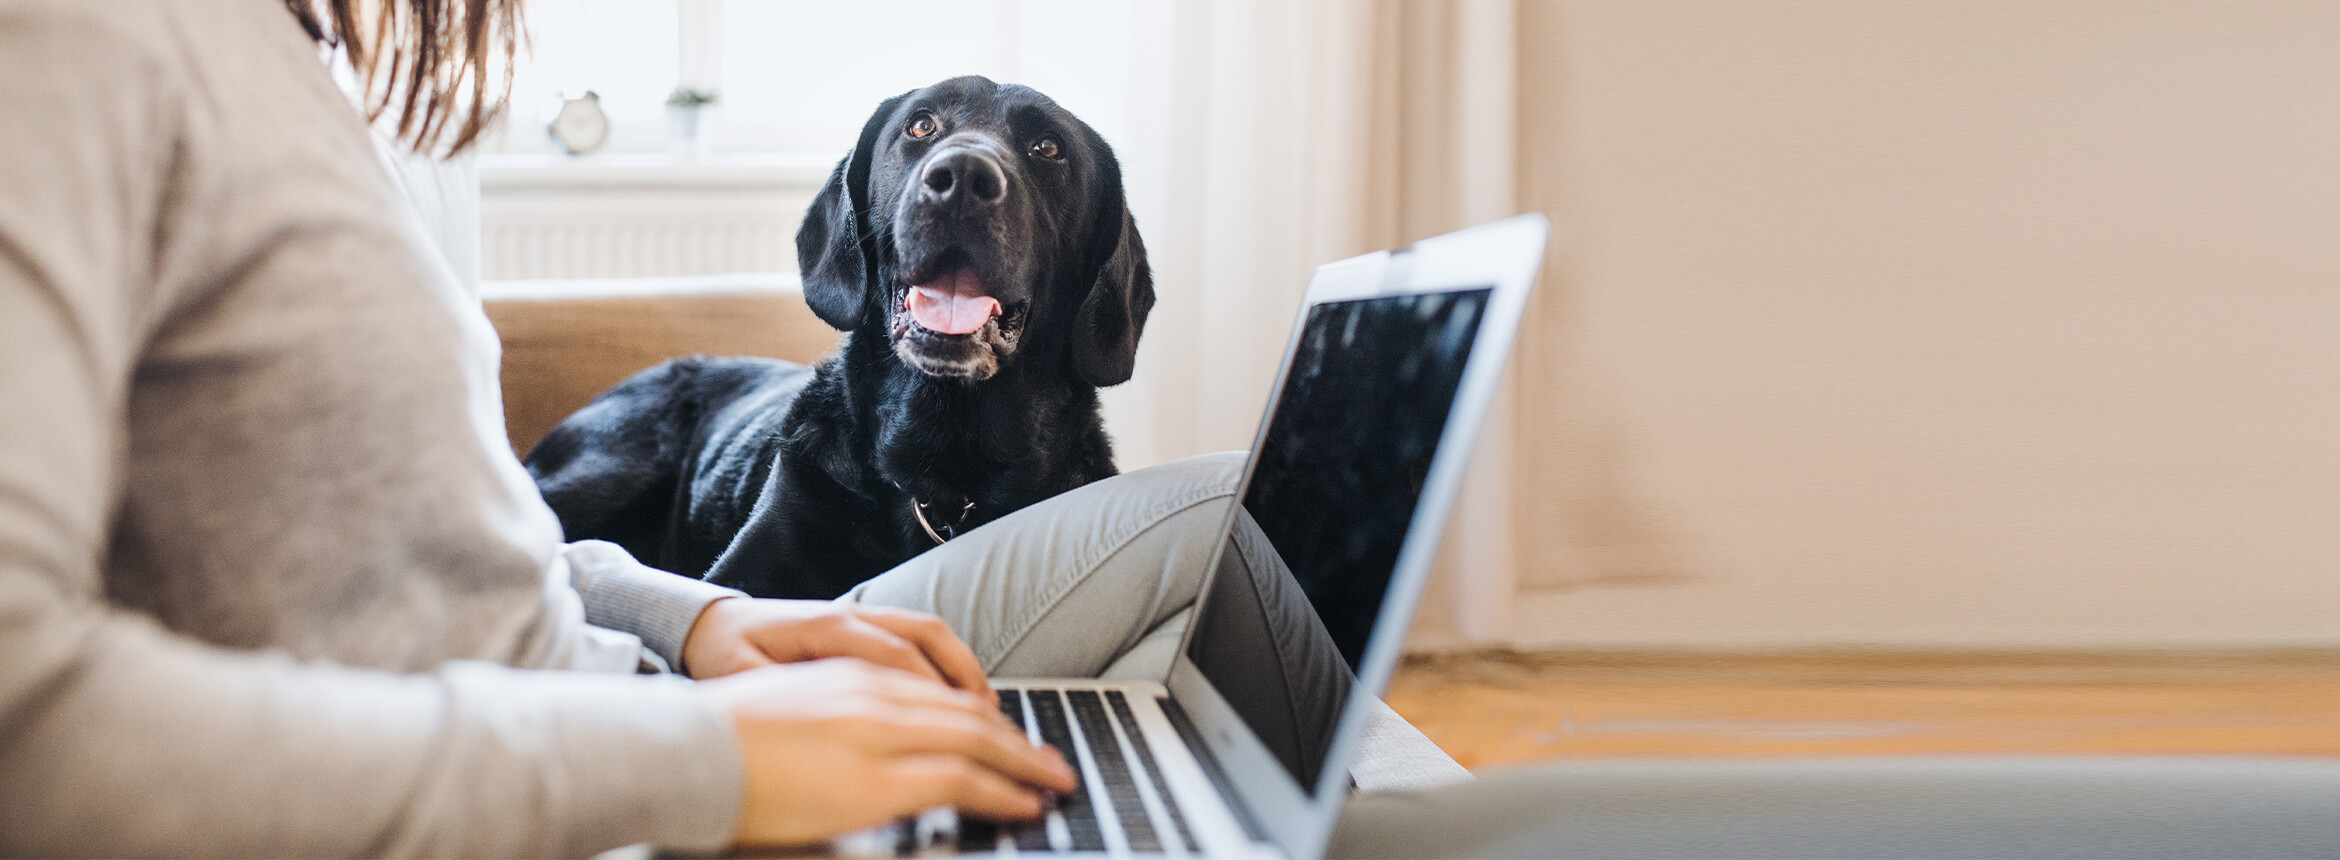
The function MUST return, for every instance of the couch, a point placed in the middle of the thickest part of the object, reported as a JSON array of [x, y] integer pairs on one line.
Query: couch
[[565, 341]]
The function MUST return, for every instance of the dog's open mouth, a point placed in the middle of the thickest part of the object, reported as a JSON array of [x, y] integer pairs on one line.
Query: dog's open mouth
[[952, 304], [947, 323]]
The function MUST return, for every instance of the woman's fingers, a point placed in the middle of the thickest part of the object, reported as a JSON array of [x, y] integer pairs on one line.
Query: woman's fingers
[[851, 635], [788, 631], [931, 718], [986, 742], [841, 634], [829, 744], [929, 781], [935, 640], [904, 688]]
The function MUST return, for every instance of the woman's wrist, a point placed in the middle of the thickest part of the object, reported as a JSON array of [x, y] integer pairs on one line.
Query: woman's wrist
[[706, 633]]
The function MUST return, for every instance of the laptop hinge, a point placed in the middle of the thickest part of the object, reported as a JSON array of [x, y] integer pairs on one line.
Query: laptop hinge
[[1210, 767]]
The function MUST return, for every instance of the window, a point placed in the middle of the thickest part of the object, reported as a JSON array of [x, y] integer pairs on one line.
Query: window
[[798, 76]]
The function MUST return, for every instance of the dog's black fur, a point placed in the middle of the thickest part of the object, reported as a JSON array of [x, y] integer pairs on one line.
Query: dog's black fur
[[787, 481]]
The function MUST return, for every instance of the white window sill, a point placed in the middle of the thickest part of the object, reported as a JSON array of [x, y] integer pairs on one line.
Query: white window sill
[[547, 172]]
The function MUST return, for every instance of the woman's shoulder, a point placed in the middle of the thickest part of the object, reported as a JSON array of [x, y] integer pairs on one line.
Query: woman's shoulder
[[149, 69], [109, 45], [172, 53], [139, 37]]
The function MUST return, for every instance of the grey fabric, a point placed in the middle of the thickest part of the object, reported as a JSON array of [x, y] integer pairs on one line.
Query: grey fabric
[[1400, 757], [265, 559], [1062, 588], [1101, 581], [1942, 808]]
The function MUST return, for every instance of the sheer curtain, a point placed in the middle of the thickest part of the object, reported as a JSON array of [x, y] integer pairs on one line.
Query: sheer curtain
[[1269, 136]]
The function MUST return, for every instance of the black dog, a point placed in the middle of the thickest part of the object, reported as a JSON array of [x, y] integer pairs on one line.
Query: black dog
[[976, 249]]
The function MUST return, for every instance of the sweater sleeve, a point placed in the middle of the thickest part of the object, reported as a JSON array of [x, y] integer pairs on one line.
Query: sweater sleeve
[[623, 594], [118, 737]]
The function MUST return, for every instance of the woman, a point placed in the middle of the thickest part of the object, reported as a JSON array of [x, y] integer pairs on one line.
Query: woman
[[270, 582]]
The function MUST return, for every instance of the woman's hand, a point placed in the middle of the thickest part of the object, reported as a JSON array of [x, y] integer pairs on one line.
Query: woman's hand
[[834, 746], [737, 634]]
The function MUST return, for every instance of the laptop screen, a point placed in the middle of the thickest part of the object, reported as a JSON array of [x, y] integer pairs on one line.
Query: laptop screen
[[1334, 484]]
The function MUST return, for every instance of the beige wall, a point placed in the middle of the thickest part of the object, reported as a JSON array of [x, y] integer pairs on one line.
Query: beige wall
[[1965, 324]]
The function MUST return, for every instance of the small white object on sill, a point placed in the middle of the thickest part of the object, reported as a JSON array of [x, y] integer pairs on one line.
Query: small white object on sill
[[581, 126]]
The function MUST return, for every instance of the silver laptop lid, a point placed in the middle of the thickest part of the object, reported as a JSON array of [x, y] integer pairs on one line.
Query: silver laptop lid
[[1385, 383]]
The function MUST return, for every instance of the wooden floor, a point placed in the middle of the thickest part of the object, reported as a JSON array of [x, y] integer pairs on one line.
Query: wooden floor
[[1495, 708]]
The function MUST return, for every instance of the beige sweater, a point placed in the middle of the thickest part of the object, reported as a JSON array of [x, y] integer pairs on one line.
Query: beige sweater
[[265, 560]]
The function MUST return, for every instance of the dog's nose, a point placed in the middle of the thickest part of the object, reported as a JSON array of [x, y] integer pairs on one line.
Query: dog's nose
[[963, 179]]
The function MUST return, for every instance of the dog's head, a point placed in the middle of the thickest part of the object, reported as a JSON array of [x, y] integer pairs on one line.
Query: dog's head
[[977, 225]]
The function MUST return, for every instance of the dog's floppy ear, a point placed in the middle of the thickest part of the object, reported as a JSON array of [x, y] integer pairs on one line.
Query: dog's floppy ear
[[1105, 333], [832, 249]]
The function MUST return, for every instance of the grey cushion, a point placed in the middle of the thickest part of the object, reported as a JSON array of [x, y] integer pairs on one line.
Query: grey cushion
[[1395, 756]]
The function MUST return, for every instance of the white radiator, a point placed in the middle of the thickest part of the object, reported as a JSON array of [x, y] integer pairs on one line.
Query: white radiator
[[629, 245], [641, 217]]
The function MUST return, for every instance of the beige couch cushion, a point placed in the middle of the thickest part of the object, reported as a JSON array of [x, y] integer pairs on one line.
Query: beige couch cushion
[[566, 341]]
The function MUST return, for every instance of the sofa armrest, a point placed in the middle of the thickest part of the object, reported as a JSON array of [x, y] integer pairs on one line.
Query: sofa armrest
[[568, 340]]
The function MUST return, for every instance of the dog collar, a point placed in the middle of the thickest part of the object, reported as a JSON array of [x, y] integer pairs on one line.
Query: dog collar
[[949, 530]]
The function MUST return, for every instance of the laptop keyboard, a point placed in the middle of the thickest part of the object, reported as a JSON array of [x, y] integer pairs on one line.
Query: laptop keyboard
[[1122, 805], [1145, 756], [1128, 808]]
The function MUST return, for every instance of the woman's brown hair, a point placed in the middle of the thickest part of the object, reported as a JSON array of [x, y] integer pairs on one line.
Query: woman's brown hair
[[428, 62]]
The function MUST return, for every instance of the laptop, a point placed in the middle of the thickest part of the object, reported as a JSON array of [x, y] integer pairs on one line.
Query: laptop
[[1244, 749]]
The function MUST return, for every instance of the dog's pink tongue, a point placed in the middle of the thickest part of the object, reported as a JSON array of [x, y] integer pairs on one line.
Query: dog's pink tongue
[[955, 304]]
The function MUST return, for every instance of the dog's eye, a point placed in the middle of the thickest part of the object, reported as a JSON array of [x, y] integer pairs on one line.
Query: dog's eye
[[922, 126], [1047, 148]]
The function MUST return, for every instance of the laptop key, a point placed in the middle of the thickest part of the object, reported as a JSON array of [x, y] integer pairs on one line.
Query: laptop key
[[1011, 705], [1080, 818], [976, 834]]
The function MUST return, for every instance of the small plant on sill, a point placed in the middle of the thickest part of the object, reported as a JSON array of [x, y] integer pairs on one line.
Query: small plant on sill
[[692, 97]]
